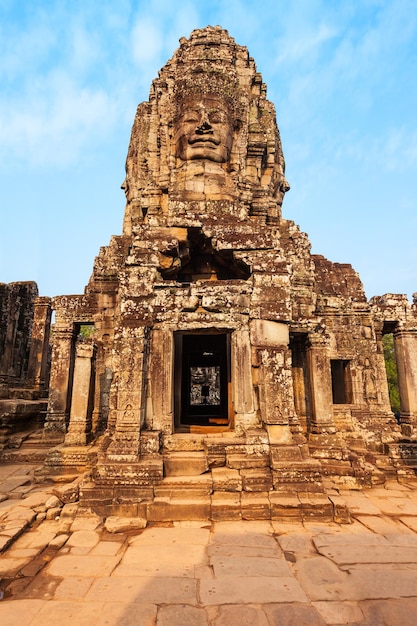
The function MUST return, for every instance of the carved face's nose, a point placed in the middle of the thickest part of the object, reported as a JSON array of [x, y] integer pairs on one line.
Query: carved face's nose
[[204, 127]]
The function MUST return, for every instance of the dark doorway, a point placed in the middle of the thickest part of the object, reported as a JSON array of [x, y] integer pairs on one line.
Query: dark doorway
[[341, 382], [202, 379]]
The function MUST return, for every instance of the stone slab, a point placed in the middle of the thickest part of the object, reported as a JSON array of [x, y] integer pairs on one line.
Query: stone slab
[[148, 589], [69, 612], [339, 612], [293, 614], [241, 614], [73, 588], [390, 612], [89, 565], [19, 612], [84, 538], [251, 590], [249, 566], [173, 560], [169, 536], [322, 580], [180, 615]]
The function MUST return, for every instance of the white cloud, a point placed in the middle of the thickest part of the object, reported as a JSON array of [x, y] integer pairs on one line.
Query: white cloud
[[147, 41]]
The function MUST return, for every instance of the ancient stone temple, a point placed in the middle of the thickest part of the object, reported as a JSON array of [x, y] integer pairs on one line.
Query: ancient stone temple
[[24, 360], [214, 367]]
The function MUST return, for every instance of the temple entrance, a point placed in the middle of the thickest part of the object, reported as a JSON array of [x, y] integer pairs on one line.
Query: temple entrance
[[201, 380]]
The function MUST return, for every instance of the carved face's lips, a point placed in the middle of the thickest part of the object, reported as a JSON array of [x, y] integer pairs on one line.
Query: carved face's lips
[[203, 140]]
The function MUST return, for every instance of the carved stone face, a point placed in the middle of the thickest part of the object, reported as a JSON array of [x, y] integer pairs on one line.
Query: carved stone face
[[204, 129]]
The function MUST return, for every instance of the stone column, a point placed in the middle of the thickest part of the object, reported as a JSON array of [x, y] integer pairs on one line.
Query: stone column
[[132, 348], [79, 428], [57, 415], [405, 343], [275, 384], [242, 384], [38, 356], [381, 370], [318, 360], [160, 409]]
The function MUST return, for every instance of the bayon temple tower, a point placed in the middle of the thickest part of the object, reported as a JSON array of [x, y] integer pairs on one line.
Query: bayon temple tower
[[214, 367]]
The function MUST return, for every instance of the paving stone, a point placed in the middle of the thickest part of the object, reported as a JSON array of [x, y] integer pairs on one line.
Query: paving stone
[[355, 554], [394, 506], [106, 548], [241, 614], [84, 538], [359, 504], [322, 580], [65, 612], [251, 590], [58, 541], [357, 539], [9, 566], [180, 615], [73, 565], [293, 615], [19, 612], [339, 612], [73, 588], [249, 566], [296, 542], [231, 550], [382, 525], [120, 614], [176, 535], [14, 482], [391, 612], [410, 522], [163, 560], [154, 590], [36, 499]]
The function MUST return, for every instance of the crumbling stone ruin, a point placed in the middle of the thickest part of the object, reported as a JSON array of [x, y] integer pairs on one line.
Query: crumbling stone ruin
[[214, 367], [24, 360]]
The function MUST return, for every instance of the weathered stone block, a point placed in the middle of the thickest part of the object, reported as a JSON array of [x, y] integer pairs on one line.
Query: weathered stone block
[[225, 479], [225, 506], [255, 505], [257, 479]]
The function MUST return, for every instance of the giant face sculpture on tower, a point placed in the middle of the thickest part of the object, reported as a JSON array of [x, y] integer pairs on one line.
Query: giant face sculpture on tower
[[203, 129]]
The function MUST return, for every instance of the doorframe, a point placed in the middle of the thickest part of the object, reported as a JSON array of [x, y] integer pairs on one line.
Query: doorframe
[[214, 424]]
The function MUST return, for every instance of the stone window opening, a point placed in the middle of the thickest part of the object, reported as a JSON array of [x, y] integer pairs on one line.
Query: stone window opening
[[341, 381], [199, 260]]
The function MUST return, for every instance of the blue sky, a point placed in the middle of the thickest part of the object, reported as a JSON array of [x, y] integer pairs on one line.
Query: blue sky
[[342, 75]]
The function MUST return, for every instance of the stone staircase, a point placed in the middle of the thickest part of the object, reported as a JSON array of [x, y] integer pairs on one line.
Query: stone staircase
[[213, 477]]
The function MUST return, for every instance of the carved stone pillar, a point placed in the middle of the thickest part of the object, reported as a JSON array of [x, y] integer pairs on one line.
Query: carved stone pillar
[[405, 343], [319, 370], [381, 370], [160, 414], [275, 384], [38, 356], [57, 415], [79, 428], [242, 385], [132, 350]]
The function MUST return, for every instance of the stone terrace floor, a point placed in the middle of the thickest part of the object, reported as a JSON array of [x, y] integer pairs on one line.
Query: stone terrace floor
[[58, 567]]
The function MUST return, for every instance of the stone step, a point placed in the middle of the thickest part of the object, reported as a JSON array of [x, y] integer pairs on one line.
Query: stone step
[[185, 486], [185, 463]]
